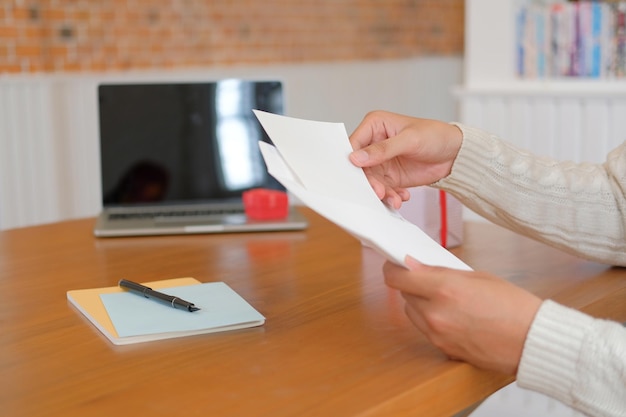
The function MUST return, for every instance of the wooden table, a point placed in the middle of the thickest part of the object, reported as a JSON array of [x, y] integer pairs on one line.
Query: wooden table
[[336, 341]]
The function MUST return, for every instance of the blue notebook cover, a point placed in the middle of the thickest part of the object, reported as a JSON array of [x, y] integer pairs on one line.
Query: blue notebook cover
[[138, 319]]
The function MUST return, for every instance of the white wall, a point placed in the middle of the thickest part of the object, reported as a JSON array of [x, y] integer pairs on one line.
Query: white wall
[[489, 40], [49, 161]]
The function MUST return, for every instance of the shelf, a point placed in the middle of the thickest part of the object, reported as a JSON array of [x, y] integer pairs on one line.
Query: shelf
[[583, 88], [490, 59]]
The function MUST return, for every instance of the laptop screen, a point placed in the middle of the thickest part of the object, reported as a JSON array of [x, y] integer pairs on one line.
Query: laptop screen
[[183, 142]]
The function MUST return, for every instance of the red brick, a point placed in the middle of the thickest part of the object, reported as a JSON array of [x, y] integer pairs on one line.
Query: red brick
[[25, 51], [126, 35]]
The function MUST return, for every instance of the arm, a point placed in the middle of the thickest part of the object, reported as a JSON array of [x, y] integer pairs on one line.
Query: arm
[[579, 360], [482, 319], [567, 355], [580, 208], [490, 323]]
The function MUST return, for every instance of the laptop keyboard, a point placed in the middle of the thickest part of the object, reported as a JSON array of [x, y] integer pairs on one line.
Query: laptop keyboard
[[175, 213]]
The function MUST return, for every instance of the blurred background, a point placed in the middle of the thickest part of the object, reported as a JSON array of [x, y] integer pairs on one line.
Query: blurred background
[[108, 35], [337, 60]]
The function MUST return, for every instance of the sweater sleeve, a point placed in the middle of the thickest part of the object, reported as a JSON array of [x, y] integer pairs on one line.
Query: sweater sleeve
[[576, 359], [579, 208]]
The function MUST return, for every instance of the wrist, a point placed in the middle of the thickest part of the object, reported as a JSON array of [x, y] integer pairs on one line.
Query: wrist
[[453, 145]]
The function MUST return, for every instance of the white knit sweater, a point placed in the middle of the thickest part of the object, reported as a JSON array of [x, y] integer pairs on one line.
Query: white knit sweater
[[579, 208]]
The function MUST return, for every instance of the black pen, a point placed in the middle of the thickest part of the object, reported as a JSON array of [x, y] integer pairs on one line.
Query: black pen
[[155, 295]]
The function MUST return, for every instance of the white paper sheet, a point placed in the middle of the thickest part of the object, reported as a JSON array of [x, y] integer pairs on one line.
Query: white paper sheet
[[311, 160]]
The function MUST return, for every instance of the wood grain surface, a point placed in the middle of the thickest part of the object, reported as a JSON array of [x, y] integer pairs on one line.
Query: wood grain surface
[[336, 341]]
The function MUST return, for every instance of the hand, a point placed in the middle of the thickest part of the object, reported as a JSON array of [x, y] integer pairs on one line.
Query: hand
[[398, 152], [471, 316]]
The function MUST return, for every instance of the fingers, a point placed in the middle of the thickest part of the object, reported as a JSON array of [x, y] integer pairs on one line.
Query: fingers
[[398, 151], [417, 318], [392, 197], [404, 194], [412, 263], [369, 139], [394, 201], [378, 152], [374, 127], [378, 187], [420, 280]]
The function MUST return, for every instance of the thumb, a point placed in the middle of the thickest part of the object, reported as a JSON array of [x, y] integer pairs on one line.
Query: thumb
[[376, 153], [361, 157], [411, 263]]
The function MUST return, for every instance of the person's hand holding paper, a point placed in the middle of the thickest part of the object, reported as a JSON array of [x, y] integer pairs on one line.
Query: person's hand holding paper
[[311, 160]]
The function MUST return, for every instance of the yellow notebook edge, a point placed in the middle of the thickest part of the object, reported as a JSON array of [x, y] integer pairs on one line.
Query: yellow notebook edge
[[88, 302]]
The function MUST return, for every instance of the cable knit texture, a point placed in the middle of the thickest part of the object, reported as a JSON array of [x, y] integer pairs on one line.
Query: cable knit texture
[[581, 209], [576, 359]]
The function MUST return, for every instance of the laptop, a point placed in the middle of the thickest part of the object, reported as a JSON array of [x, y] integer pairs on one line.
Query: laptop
[[175, 158]]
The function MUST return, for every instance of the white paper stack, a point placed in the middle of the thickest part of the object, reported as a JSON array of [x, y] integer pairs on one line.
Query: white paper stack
[[310, 159]]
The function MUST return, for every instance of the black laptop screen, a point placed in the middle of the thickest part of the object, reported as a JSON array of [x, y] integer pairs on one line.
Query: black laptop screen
[[183, 142]]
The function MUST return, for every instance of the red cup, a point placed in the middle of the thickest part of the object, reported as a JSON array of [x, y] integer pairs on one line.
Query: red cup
[[265, 204]]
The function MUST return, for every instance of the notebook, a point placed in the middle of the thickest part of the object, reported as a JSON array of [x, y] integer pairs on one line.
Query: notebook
[[175, 158], [126, 318]]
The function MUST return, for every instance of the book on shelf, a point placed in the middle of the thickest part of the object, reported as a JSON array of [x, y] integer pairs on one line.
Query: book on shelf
[[571, 39]]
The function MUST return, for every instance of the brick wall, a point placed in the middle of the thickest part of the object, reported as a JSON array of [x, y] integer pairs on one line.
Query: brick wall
[[105, 35]]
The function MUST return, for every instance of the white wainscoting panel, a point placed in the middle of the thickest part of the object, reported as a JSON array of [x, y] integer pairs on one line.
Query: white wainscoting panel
[[28, 176], [48, 160], [49, 152], [579, 128]]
